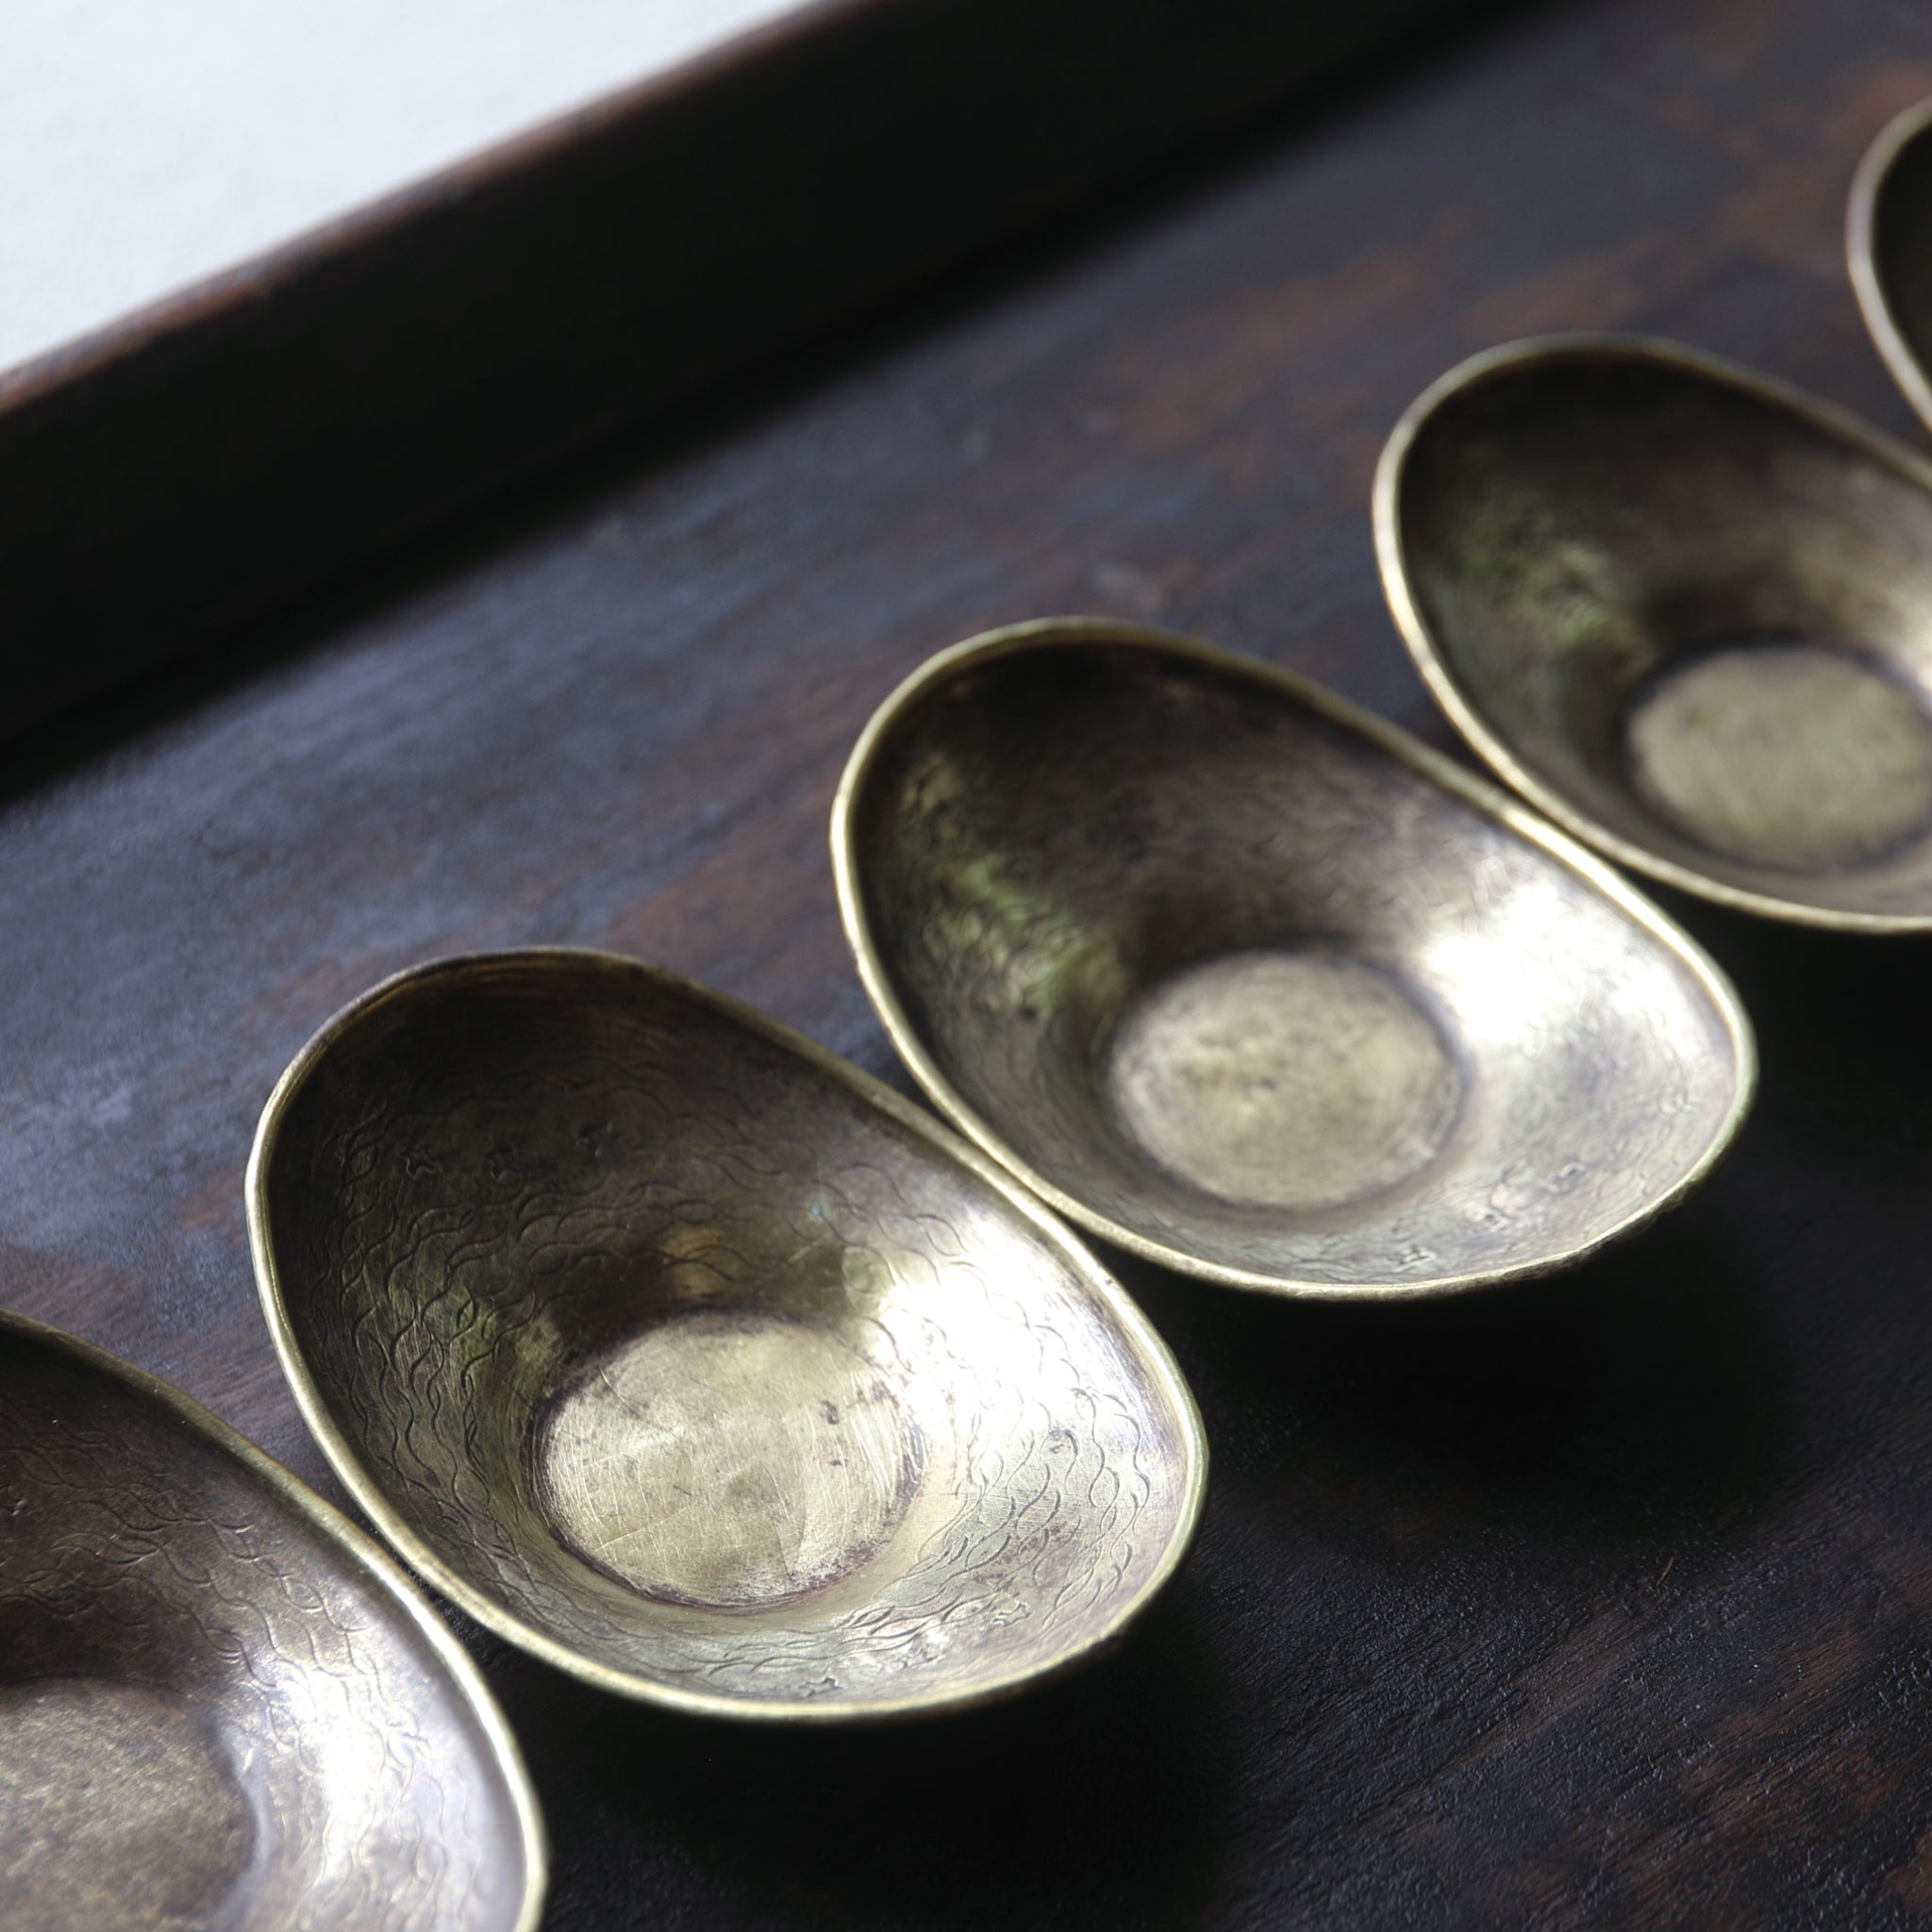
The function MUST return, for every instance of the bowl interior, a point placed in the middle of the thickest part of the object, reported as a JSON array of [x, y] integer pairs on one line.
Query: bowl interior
[[1699, 616], [699, 1368], [1238, 984], [1895, 272], [208, 1715]]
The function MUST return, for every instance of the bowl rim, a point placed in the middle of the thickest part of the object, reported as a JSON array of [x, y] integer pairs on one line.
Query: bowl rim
[[1862, 254], [1433, 766], [1111, 1298], [384, 1575], [1446, 687]]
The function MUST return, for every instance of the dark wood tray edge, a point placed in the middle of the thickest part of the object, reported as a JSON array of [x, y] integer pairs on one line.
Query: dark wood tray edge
[[224, 452]]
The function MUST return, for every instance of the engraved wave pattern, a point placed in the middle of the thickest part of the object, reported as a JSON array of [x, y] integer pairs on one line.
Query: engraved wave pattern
[[1019, 892], [137, 1553], [496, 1215]]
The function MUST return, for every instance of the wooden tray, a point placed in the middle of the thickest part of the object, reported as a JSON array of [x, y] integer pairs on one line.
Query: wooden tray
[[1603, 1602], [187, 470]]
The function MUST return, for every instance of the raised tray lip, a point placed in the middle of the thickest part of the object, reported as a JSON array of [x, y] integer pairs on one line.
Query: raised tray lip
[[1861, 256], [1446, 687], [1052, 632], [371, 1499], [361, 1550], [313, 245], [480, 333]]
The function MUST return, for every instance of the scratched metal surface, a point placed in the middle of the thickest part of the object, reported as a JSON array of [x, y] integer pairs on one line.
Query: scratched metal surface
[[688, 1364], [213, 1711], [1601, 1600], [1259, 996]]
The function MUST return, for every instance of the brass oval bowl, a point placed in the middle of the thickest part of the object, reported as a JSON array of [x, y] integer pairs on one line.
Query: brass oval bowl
[[221, 1704], [1685, 611], [698, 1364], [1889, 249], [1256, 985]]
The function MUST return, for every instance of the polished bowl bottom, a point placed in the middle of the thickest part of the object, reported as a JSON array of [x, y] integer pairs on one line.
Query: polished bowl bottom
[[221, 1707], [1258, 987], [685, 1356], [1685, 611]]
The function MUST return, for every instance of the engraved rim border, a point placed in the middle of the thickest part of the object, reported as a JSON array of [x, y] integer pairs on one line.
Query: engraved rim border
[[370, 1498], [362, 1551], [1049, 632], [1391, 555], [1861, 259]]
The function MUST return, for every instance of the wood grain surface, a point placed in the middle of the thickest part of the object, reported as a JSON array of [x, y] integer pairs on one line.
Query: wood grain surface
[[258, 436], [1603, 1602]]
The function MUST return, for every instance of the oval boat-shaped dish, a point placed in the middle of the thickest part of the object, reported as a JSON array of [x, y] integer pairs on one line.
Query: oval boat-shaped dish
[[1685, 611], [220, 1703], [697, 1363], [1254, 985], [1888, 248]]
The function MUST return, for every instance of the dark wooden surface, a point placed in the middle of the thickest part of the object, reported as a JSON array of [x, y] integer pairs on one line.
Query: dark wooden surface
[[195, 467], [1606, 1602]]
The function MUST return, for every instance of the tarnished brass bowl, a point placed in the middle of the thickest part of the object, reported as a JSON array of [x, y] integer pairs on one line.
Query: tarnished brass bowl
[[1888, 245], [1685, 611], [220, 1703], [1253, 984], [698, 1364]]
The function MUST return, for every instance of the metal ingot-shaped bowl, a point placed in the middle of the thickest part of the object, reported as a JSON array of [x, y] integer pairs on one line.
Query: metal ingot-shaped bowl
[[1888, 245], [697, 1363], [1685, 611], [220, 1703], [1254, 985]]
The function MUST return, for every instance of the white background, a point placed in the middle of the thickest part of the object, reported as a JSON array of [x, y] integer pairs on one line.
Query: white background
[[147, 143]]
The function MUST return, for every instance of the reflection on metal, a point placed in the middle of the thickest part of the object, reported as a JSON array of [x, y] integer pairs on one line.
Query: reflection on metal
[[1685, 611], [1256, 985], [220, 1703], [1889, 247], [698, 1364]]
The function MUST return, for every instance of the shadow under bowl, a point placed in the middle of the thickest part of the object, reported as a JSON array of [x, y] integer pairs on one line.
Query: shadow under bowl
[[1258, 985], [220, 1703], [696, 1362], [1685, 611]]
